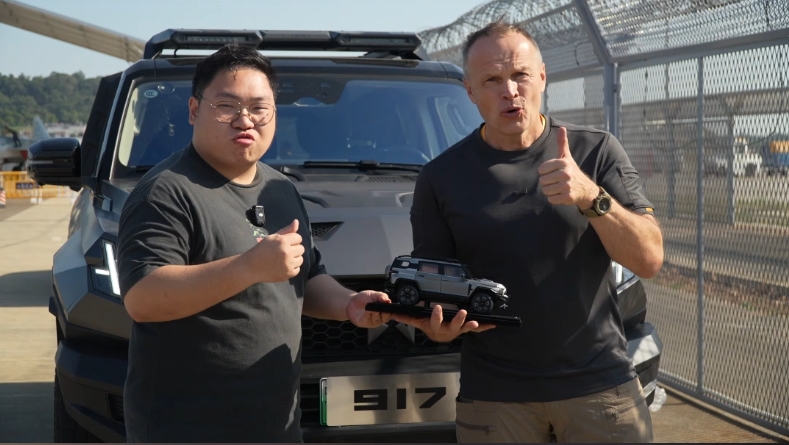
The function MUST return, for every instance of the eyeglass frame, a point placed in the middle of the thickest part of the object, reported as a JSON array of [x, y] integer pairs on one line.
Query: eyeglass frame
[[240, 109]]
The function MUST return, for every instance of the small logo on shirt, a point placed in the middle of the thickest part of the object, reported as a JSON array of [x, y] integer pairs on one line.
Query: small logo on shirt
[[258, 232]]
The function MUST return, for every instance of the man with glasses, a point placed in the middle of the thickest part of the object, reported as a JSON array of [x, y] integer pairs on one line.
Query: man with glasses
[[217, 266]]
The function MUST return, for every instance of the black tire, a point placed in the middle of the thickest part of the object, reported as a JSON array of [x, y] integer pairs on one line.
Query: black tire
[[407, 294], [481, 303], [66, 429]]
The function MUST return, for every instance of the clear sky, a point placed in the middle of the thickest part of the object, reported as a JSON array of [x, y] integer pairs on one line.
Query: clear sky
[[23, 52]]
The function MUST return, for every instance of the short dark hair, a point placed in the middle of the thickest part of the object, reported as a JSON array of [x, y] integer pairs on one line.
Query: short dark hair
[[232, 57], [498, 28]]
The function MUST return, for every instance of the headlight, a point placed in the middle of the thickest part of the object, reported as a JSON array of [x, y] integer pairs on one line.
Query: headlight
[[106, 279]]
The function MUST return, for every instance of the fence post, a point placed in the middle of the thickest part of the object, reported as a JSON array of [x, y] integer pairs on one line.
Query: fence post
[[611, 97], [610, 69], [700, 230]]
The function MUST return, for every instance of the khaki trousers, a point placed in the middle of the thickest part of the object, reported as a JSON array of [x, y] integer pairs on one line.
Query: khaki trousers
[[616, 415]]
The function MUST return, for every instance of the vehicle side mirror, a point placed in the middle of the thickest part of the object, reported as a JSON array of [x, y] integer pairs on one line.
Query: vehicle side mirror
[[55, 161], [463, 276]]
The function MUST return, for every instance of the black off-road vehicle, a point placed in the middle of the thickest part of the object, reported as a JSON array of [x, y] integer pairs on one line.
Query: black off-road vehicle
[[352, 134]]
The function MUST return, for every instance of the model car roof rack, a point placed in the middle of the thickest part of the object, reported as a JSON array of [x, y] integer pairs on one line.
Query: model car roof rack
[[375, 44]]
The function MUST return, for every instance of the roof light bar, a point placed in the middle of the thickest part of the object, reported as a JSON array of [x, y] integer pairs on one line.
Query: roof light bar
[[405, 44]]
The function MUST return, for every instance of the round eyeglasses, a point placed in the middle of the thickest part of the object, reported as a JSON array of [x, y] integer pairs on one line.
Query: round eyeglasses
[[227, 111]]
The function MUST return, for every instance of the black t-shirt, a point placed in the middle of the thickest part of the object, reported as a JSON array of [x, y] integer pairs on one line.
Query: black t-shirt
[[231, 372], [485, 207]]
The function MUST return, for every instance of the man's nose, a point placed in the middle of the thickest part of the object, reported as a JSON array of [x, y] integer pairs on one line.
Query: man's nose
[[510, 89], [243, 120]]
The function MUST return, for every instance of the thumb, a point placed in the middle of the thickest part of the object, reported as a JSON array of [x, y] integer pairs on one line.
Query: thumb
[[290, 228], [564, 146]]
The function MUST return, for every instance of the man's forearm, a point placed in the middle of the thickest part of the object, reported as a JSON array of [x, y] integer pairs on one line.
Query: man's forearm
[[326, 299], [175, 292], [632, 240]]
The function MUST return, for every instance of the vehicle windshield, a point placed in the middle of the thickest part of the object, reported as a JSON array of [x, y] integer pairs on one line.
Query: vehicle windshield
[[319, 118]]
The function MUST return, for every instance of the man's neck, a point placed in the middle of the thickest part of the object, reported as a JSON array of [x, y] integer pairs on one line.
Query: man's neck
[[516, 143], [243, 176]]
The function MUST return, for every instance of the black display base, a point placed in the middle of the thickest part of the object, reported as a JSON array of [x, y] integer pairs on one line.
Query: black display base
[[449, 314]]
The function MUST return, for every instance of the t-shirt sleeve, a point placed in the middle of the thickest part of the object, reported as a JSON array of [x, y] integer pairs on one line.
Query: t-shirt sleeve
[[431, 234], [620, 179], [151, 234]]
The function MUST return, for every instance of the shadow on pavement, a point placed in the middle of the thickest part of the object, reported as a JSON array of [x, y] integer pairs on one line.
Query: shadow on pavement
[[26, 412], [25, 289]]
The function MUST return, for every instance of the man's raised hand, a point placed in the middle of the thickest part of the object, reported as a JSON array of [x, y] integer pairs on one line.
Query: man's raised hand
[[562, 180], [277, 257]]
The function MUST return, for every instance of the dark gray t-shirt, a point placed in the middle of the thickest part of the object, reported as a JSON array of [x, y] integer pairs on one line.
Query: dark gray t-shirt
[[231, 372], [485, 208]]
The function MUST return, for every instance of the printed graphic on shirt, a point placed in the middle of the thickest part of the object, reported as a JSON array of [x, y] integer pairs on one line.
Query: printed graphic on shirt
[[258, 232]]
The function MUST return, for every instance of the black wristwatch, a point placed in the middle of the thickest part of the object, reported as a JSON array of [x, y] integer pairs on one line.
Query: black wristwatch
[[600, 206]]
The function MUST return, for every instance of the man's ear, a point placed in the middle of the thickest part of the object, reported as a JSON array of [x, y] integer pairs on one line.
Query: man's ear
[[193, 104], [468, 91]]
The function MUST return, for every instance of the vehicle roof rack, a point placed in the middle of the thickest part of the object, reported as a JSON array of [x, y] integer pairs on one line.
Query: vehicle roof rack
[[375, 44]]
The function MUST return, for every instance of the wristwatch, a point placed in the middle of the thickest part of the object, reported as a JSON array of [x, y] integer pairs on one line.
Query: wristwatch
[[600, 205]]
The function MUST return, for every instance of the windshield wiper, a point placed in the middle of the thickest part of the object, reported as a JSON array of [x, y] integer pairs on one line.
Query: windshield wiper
[[362, 165], [143, 168]]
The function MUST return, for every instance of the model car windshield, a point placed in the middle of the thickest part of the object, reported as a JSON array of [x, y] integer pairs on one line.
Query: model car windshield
[[330, 118]]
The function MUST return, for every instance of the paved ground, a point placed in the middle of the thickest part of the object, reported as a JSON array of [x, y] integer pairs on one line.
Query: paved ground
[[683, 420], [29, 238]]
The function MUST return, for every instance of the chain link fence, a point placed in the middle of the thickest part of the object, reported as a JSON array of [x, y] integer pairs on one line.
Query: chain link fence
[[697, 91]]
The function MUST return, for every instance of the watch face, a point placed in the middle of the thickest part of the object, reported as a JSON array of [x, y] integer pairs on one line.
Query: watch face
[[604, 205]]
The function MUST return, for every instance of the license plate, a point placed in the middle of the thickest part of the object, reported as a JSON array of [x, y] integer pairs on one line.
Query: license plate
[[385, 399]]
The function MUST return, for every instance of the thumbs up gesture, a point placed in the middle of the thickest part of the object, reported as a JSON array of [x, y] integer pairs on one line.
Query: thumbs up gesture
[[277, 257], [562, 180]]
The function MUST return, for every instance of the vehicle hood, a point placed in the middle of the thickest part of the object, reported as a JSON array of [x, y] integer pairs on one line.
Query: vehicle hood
[[358, 226]]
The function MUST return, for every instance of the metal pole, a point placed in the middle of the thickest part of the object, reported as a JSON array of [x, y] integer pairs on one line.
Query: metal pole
[[700, 230], [611, 97], [608, 94]]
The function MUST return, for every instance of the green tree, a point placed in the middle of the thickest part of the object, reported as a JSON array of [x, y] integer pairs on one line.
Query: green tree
[[59, 97]]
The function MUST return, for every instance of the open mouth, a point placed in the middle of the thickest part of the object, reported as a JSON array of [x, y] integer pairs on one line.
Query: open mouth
[[512, 112]]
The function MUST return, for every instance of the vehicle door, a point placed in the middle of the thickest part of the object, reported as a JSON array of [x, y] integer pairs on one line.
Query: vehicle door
[[428, 276], [454, 282]]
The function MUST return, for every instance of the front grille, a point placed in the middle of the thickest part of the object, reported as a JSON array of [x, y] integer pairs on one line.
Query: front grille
[[323, 340], [310, 403]]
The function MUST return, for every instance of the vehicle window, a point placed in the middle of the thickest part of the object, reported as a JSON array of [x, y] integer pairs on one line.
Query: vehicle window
[[428, 268], [453, 271], [334, 118], [457, 119]]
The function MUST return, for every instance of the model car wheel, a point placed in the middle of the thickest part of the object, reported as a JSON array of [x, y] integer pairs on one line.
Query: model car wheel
[[481, 303], [67, 430], [407, 295]]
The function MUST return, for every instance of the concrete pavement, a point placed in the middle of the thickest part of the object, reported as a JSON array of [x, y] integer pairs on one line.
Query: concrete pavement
[[28, 239]]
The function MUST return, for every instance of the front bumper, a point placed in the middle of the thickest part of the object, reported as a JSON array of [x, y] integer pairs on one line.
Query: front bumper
[[92, 375], [644, 348]]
